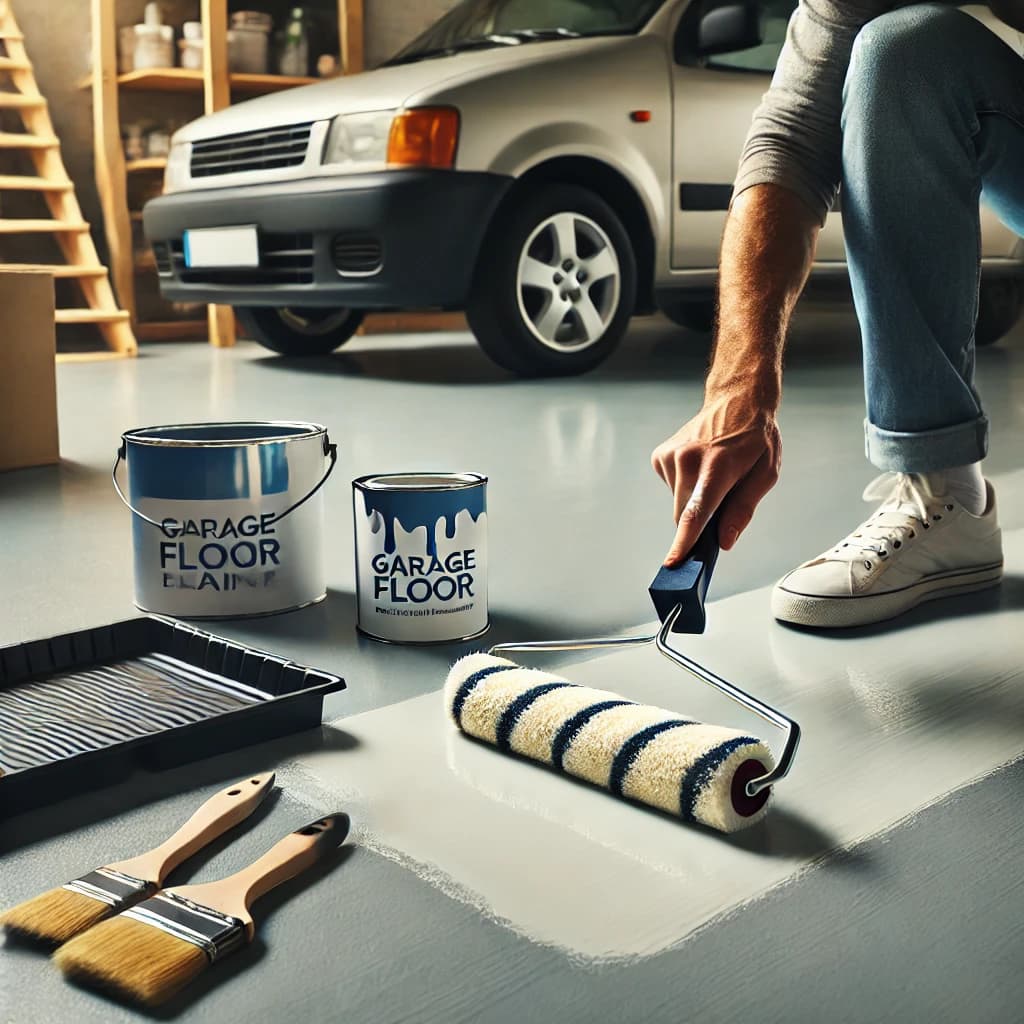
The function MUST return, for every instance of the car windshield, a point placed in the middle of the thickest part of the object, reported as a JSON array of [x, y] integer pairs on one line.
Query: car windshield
[[478, 24]]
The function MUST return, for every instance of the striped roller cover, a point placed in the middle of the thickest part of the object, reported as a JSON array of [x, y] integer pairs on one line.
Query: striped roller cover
[[696, 771]]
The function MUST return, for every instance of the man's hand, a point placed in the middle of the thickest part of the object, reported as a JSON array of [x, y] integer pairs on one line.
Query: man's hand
[[728, 455]]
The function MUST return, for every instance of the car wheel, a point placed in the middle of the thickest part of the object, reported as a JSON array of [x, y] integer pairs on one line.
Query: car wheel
[[555, 283], [295, 331], [694, 314], [1000, 303]]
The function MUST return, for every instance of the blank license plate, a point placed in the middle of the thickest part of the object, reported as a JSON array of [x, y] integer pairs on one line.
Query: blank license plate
[[222, 247]]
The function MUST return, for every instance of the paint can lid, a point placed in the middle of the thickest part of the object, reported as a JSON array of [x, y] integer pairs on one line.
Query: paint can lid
[[419, 481], [202, 435]]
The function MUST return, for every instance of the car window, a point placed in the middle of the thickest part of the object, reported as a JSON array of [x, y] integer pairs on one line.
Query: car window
[[474, 20], [583, 16], [774, 18]]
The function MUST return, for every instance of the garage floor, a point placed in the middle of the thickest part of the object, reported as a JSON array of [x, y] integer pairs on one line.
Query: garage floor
[[886, 885]]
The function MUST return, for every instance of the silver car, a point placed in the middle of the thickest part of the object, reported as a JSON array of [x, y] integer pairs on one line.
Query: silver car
[[552, 167]]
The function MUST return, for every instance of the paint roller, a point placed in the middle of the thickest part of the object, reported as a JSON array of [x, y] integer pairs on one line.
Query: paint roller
[[711, 775]]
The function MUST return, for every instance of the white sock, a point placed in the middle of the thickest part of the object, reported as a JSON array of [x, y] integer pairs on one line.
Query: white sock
[[965, 483]]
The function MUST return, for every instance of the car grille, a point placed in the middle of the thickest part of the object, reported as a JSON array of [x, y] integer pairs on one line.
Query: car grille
[[251, 151], [284, 259], [358, 255]]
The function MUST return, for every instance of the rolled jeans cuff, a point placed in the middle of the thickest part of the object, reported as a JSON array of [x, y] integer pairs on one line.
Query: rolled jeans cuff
[[926, 451]]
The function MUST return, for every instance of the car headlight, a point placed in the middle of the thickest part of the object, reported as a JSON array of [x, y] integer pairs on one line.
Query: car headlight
[[359, 138], [177, 173]]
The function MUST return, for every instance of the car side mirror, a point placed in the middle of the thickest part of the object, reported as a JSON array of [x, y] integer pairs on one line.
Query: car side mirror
[[729, 29]]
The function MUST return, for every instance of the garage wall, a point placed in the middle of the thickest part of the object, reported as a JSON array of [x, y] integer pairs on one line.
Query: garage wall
[[390, 24]]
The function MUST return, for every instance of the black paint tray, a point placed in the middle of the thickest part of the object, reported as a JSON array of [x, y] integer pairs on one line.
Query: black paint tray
[[86, 709]]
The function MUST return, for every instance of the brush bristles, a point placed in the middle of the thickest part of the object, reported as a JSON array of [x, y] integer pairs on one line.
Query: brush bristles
[[132, 959], [55, 916]]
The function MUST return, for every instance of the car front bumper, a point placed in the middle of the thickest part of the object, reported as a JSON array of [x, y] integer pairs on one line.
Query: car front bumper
[[403, 239]]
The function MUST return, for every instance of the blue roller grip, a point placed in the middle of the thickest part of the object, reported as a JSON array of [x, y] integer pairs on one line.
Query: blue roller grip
[[687, 584]]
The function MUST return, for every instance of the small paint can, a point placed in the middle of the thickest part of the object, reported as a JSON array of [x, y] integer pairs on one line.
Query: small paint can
[[421, 556], [228, 518]]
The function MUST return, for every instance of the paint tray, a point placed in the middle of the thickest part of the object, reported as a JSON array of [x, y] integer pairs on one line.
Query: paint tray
[[85, 709]]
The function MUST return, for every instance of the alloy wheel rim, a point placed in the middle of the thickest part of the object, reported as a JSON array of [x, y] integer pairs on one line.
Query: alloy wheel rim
[[568, 282]]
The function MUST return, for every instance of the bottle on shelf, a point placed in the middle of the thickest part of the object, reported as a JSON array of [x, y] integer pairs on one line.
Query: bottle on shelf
[[293, 48], [191, 45], [249, 42], [154, 41]]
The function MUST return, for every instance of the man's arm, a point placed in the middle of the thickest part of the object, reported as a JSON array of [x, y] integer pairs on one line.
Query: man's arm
[[730, 454]]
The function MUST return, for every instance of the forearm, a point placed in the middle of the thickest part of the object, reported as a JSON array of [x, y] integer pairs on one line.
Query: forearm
[[767, 252], [1010, 11]]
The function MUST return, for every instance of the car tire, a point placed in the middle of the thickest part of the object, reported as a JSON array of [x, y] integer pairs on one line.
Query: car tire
[[696, 315], [295, 331], [557, 249], [1000, 303]]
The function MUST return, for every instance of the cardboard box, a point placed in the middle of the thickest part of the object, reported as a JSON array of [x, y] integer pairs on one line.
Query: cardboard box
[[28, 379]]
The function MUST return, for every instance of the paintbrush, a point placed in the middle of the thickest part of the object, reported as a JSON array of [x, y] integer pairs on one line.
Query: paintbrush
[[156, 948], [58, 915]]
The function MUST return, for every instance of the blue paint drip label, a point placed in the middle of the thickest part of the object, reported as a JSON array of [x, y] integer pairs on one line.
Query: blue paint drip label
[[421, 564]]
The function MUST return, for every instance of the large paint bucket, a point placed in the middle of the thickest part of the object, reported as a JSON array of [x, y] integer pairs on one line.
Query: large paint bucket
[[421, 556], [228, 518]]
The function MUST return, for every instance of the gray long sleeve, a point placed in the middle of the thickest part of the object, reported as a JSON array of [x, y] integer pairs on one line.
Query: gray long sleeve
[[795, 139]]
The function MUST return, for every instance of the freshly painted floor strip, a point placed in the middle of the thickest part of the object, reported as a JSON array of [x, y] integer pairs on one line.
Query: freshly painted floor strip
[[892, 722]]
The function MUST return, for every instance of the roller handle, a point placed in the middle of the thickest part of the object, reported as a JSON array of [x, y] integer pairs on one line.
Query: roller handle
[[686, 586], [231, 806], [294, 854]]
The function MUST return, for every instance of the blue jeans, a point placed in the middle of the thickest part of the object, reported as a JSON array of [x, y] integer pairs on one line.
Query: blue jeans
[[933, 121]]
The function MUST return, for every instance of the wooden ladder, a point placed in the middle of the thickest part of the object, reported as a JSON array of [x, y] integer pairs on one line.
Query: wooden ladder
[[19, 92]]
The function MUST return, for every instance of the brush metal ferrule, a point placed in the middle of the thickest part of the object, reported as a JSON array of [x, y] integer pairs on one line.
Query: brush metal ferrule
[[113, 888], [216, 934]]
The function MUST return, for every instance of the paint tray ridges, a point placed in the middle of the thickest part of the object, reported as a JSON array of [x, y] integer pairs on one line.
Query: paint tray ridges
[[44, 720], [86, 709]]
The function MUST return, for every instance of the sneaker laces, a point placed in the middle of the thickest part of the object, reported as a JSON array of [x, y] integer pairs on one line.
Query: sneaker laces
[[905, 509]]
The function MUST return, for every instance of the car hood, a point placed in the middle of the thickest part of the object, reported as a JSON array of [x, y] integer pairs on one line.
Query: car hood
[[383, 89]]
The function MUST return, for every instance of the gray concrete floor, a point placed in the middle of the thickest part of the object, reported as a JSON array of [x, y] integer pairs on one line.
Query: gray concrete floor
[[921, 924]]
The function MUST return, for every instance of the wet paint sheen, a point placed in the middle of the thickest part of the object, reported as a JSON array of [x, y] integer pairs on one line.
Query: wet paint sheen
[[892, 723]]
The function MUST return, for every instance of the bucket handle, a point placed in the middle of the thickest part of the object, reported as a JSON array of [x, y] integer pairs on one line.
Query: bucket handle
[[330, 450]]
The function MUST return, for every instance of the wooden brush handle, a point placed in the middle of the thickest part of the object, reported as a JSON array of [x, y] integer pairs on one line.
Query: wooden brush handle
[[295, 853], [229, 807]]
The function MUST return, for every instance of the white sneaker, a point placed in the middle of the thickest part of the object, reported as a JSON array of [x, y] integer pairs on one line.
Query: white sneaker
[[918, 546]]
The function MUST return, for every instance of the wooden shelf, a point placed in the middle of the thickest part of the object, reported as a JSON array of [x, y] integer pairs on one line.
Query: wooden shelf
[[163, 80], [172, 330], [149, 163], [187, 80], [405, 323], [216, 87], [145, 261]]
